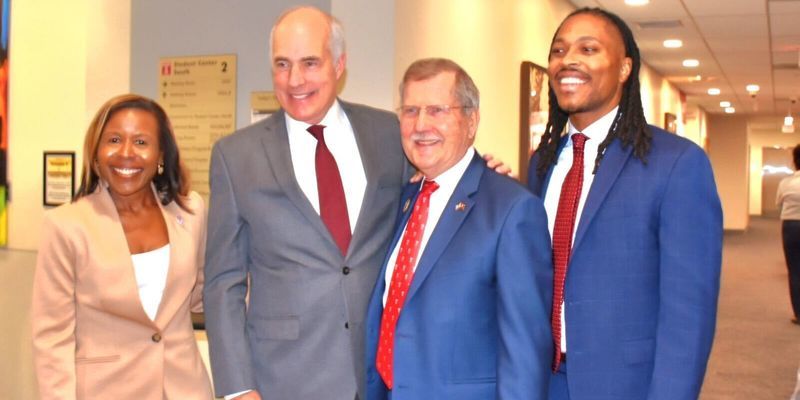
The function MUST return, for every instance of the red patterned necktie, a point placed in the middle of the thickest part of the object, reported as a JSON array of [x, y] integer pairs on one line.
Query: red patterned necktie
[[332, 203], [562, 236], [401, 280]]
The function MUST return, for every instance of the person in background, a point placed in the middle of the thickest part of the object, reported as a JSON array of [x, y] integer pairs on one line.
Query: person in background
[[788, 199], [120, 268], [460, 308], [636, 224]]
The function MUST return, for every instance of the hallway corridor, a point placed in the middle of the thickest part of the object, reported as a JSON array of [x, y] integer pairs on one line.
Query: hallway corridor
[[757, 349]]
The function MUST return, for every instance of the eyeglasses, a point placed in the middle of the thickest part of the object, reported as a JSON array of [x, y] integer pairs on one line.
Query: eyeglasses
[[432, 110]]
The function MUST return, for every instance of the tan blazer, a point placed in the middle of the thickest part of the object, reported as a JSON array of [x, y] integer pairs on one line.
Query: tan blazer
[[91, 336]]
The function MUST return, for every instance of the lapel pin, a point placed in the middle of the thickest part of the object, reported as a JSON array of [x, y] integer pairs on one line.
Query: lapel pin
[[180, 219], [408, 204], [461, 206]]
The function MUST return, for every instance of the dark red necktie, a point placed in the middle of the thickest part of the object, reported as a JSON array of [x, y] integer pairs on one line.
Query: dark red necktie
[[401, 280], [332, 203], [562, 236]]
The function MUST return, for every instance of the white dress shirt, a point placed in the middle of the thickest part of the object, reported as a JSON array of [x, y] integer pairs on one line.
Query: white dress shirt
[[447, 181], [596, 132], [341, 141], [151, 270], [788, 197]]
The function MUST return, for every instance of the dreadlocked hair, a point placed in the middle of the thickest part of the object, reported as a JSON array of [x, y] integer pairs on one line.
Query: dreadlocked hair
[[629, 125]]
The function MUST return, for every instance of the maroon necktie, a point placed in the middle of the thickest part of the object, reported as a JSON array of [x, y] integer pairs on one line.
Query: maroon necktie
[[401, 280], [562, 236], [332, 203]]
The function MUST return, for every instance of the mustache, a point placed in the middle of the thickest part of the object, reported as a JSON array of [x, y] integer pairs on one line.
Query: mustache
[[571, 70]]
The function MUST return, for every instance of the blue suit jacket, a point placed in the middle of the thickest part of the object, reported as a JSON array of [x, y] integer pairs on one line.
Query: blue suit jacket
[[643, 279], [475, 323]]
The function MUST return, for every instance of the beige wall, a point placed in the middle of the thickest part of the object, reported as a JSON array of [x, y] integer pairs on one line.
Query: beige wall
[[66, 59], [490, 39], [727, 148], [659, 97]]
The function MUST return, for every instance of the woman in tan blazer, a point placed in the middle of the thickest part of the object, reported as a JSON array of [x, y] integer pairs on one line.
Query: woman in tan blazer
[[120, 268]]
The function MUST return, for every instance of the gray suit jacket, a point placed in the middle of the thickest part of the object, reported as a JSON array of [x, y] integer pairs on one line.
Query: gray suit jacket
[[302, 335]]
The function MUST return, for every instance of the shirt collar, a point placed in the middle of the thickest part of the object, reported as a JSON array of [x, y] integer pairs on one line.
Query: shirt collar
[[597, 130], [448, 180], [333, 118]]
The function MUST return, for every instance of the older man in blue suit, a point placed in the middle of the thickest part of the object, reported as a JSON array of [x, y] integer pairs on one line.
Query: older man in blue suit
[[460, 309], [636, 225]]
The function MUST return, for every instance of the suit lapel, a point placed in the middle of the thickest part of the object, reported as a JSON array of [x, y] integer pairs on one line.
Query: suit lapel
[[610, 167], [452, 217], [407, 200], [118, 255], [276, 146], [176, 288], [370, 154]]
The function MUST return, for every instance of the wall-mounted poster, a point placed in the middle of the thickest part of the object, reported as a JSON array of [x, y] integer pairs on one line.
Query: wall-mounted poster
[[199, 95], [533, 110], [670, 122], [262, 105], [59, 177], [5, 7]]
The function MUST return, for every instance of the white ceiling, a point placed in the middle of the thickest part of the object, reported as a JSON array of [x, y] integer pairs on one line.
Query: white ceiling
[[738, 42]]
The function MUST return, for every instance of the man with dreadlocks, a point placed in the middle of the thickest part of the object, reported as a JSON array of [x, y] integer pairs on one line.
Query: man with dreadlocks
[[636, 224]]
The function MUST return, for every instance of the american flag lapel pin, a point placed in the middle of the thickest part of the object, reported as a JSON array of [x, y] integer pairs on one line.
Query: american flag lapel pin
[[461, 206], [406, 205]]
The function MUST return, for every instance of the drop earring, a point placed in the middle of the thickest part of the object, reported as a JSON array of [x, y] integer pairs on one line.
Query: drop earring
[[160, 168]]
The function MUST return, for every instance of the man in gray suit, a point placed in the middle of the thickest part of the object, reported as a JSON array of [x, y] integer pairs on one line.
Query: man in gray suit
[[301, 337]]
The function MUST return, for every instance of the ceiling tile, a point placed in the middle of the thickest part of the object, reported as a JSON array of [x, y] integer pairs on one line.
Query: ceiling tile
[[732, 26], [731, 7]]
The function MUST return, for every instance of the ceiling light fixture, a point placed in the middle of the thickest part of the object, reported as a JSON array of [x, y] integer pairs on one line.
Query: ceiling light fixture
[[637, 3], [788, 120], [752, 88], [730, 110], [673, 43], [714, 91], [690, 63], [724, 104]]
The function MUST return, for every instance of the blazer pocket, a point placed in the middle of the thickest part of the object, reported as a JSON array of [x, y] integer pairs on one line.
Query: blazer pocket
[[639, 351], [280, 328], [96, 360]]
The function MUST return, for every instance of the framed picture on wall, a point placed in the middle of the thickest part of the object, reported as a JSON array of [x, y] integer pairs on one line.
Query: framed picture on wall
[[533, 111], [59, 177], [670, 122]]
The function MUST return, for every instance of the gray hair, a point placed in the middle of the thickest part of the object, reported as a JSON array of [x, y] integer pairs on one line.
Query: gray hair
[[464, 89], [336, 43]]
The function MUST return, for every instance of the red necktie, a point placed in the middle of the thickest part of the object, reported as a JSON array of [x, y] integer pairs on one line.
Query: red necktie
[[332, 203], [562, 236], [401, 280]]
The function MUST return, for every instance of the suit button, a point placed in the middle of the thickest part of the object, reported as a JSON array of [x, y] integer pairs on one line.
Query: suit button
[[345, 270], [346, 325], [156, 337]]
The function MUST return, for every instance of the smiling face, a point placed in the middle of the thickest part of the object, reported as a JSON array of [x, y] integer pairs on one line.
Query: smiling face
[[588, 67], [304, 73], [129, 153], [434, 143]]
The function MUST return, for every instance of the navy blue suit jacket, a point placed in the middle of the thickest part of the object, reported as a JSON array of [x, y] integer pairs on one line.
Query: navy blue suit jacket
[[643, 279], [475, 323]]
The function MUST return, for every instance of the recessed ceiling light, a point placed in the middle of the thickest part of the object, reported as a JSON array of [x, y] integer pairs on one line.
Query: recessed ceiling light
[[730, 110], [690, 63], [714, 91], [637, 2], [724, 104], [752, 88], [673, 43]]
